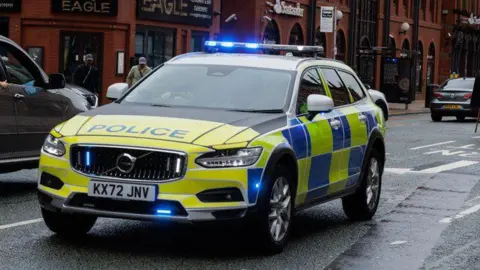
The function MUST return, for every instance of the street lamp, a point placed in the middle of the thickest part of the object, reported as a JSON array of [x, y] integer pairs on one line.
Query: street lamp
[[404, 28], [338, 16]]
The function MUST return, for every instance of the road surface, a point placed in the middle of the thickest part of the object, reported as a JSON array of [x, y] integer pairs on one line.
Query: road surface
[[428, 218]]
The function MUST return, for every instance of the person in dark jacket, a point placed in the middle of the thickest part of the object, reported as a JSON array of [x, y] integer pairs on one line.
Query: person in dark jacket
[[87, 75], [475, 99]]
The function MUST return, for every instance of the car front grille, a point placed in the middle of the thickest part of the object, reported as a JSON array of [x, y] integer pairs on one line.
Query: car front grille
[[101, 161]]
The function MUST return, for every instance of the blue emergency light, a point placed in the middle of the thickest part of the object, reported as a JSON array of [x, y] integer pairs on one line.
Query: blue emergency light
[[228, 46]]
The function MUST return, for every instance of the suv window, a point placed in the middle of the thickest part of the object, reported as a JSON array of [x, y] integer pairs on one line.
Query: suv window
[[353, 86], [339, 92], [17, 70], [310, 84]]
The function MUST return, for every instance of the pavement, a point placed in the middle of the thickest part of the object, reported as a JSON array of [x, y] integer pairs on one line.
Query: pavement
[[428, 218], [416, 107]]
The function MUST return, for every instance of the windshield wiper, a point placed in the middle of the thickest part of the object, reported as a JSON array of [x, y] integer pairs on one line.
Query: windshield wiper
[[259, 111]]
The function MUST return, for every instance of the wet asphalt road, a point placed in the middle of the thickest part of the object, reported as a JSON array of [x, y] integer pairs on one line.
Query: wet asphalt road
[[428, 218]]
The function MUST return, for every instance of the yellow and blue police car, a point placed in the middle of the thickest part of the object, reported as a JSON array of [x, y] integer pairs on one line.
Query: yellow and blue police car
[[218, 135]]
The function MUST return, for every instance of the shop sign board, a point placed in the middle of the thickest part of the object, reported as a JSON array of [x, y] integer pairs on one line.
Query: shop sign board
[[97, 7], [192, 12]]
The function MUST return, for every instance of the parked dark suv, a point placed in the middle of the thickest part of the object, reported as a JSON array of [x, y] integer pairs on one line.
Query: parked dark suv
[[31, 105]]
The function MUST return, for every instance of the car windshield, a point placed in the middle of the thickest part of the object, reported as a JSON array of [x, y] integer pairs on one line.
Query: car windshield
[[460, 85], [214, 86]]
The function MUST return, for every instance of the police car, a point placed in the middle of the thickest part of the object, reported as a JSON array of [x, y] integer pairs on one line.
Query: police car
[[230, 133]]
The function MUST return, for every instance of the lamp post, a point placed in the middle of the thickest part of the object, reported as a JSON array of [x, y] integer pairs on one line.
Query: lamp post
[[337, 16]]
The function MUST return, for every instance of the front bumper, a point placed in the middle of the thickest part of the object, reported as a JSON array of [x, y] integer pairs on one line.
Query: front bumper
[[181, 195]]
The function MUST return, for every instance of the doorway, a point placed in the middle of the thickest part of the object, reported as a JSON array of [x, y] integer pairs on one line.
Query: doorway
[[74, 46], [4, 27], [154, 43]]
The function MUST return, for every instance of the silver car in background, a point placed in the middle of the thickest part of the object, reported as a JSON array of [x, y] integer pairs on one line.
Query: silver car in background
[[452, 98]]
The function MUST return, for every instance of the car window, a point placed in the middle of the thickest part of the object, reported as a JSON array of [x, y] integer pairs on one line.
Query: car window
[[339, 92], [16, 65], [214, 86], [352, 85], [310, 84], [458, 84]]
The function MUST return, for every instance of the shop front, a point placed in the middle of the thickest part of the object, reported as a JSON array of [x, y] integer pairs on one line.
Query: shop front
[[163, 31], [7, 9], [60, 33]]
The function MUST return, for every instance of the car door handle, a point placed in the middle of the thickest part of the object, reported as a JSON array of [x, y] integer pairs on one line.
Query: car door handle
[[335, 124], [362, 118], [19, 96]]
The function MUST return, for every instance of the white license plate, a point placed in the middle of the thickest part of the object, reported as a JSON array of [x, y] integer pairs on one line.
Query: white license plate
[[122, 191]]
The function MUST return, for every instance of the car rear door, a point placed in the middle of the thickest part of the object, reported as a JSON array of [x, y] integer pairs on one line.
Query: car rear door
[[8, 128], [37, 110]]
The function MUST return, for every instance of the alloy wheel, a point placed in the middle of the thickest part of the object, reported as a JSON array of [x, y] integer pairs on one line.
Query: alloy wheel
[[280, 209]]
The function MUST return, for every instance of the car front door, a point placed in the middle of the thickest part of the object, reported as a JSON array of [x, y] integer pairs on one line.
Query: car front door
[[324, 136], [8, 128], [37, 110], [354, 128]]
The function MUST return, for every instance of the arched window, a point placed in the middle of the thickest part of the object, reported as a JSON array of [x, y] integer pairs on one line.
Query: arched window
[[271, 34], [341, 46], [393, 46], [296, 35], [419, 84], [431, 63], [405, 49], [432, 10], [321, 40], [471, 59]]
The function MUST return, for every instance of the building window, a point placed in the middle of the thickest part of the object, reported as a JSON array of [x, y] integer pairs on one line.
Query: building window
[[271, 34], [296, 36], [156, 44], [197, 42], [341, 46], [432, 10]]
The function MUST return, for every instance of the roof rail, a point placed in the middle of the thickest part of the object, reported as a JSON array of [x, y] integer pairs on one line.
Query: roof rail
[[236, 47]]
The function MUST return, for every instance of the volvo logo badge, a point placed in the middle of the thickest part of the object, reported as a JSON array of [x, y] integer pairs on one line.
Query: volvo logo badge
[[126, 163], [452, 95]]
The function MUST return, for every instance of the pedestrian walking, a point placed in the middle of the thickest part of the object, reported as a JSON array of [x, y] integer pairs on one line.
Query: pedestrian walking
[[138, 71], [475, 99], [87, 75]]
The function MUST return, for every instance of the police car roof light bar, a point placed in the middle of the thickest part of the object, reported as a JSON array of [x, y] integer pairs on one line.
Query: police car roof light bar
[[212, 45]]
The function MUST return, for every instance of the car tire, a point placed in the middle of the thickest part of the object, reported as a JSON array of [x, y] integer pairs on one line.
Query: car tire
[[384, 109], [271, 215], [436, 117], [363, 204], [70, 225], [461, 118]]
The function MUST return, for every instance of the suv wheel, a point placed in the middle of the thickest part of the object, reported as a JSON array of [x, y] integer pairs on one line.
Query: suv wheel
[[436, 117], [275, 208], [68, 224], [363, 204]]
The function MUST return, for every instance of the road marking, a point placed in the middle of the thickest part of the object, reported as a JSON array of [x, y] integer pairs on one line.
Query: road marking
[[450, 166], [462, 214], [398, 242], [476, 137], [397, 170], [22, 223], [430, 145]]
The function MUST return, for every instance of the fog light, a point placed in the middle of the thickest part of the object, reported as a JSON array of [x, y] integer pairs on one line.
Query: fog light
[[51, 181]]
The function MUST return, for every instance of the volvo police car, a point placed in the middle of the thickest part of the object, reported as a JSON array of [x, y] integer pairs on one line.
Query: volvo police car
[[218, 135]]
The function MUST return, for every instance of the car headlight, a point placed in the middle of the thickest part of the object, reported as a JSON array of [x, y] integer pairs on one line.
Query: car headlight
[[54, 146], [230, 158]]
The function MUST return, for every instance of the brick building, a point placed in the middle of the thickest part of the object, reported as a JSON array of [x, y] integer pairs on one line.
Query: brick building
[[460, 44], [358, 48], [116, 32]]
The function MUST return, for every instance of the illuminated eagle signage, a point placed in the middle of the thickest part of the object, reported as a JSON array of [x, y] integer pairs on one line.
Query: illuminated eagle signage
[[10, 6], [97, 7], [195, 12]]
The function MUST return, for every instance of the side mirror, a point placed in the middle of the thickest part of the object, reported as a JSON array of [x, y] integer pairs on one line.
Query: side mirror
[[116, 90], [319, 103], [367, 86], [56, 81]]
